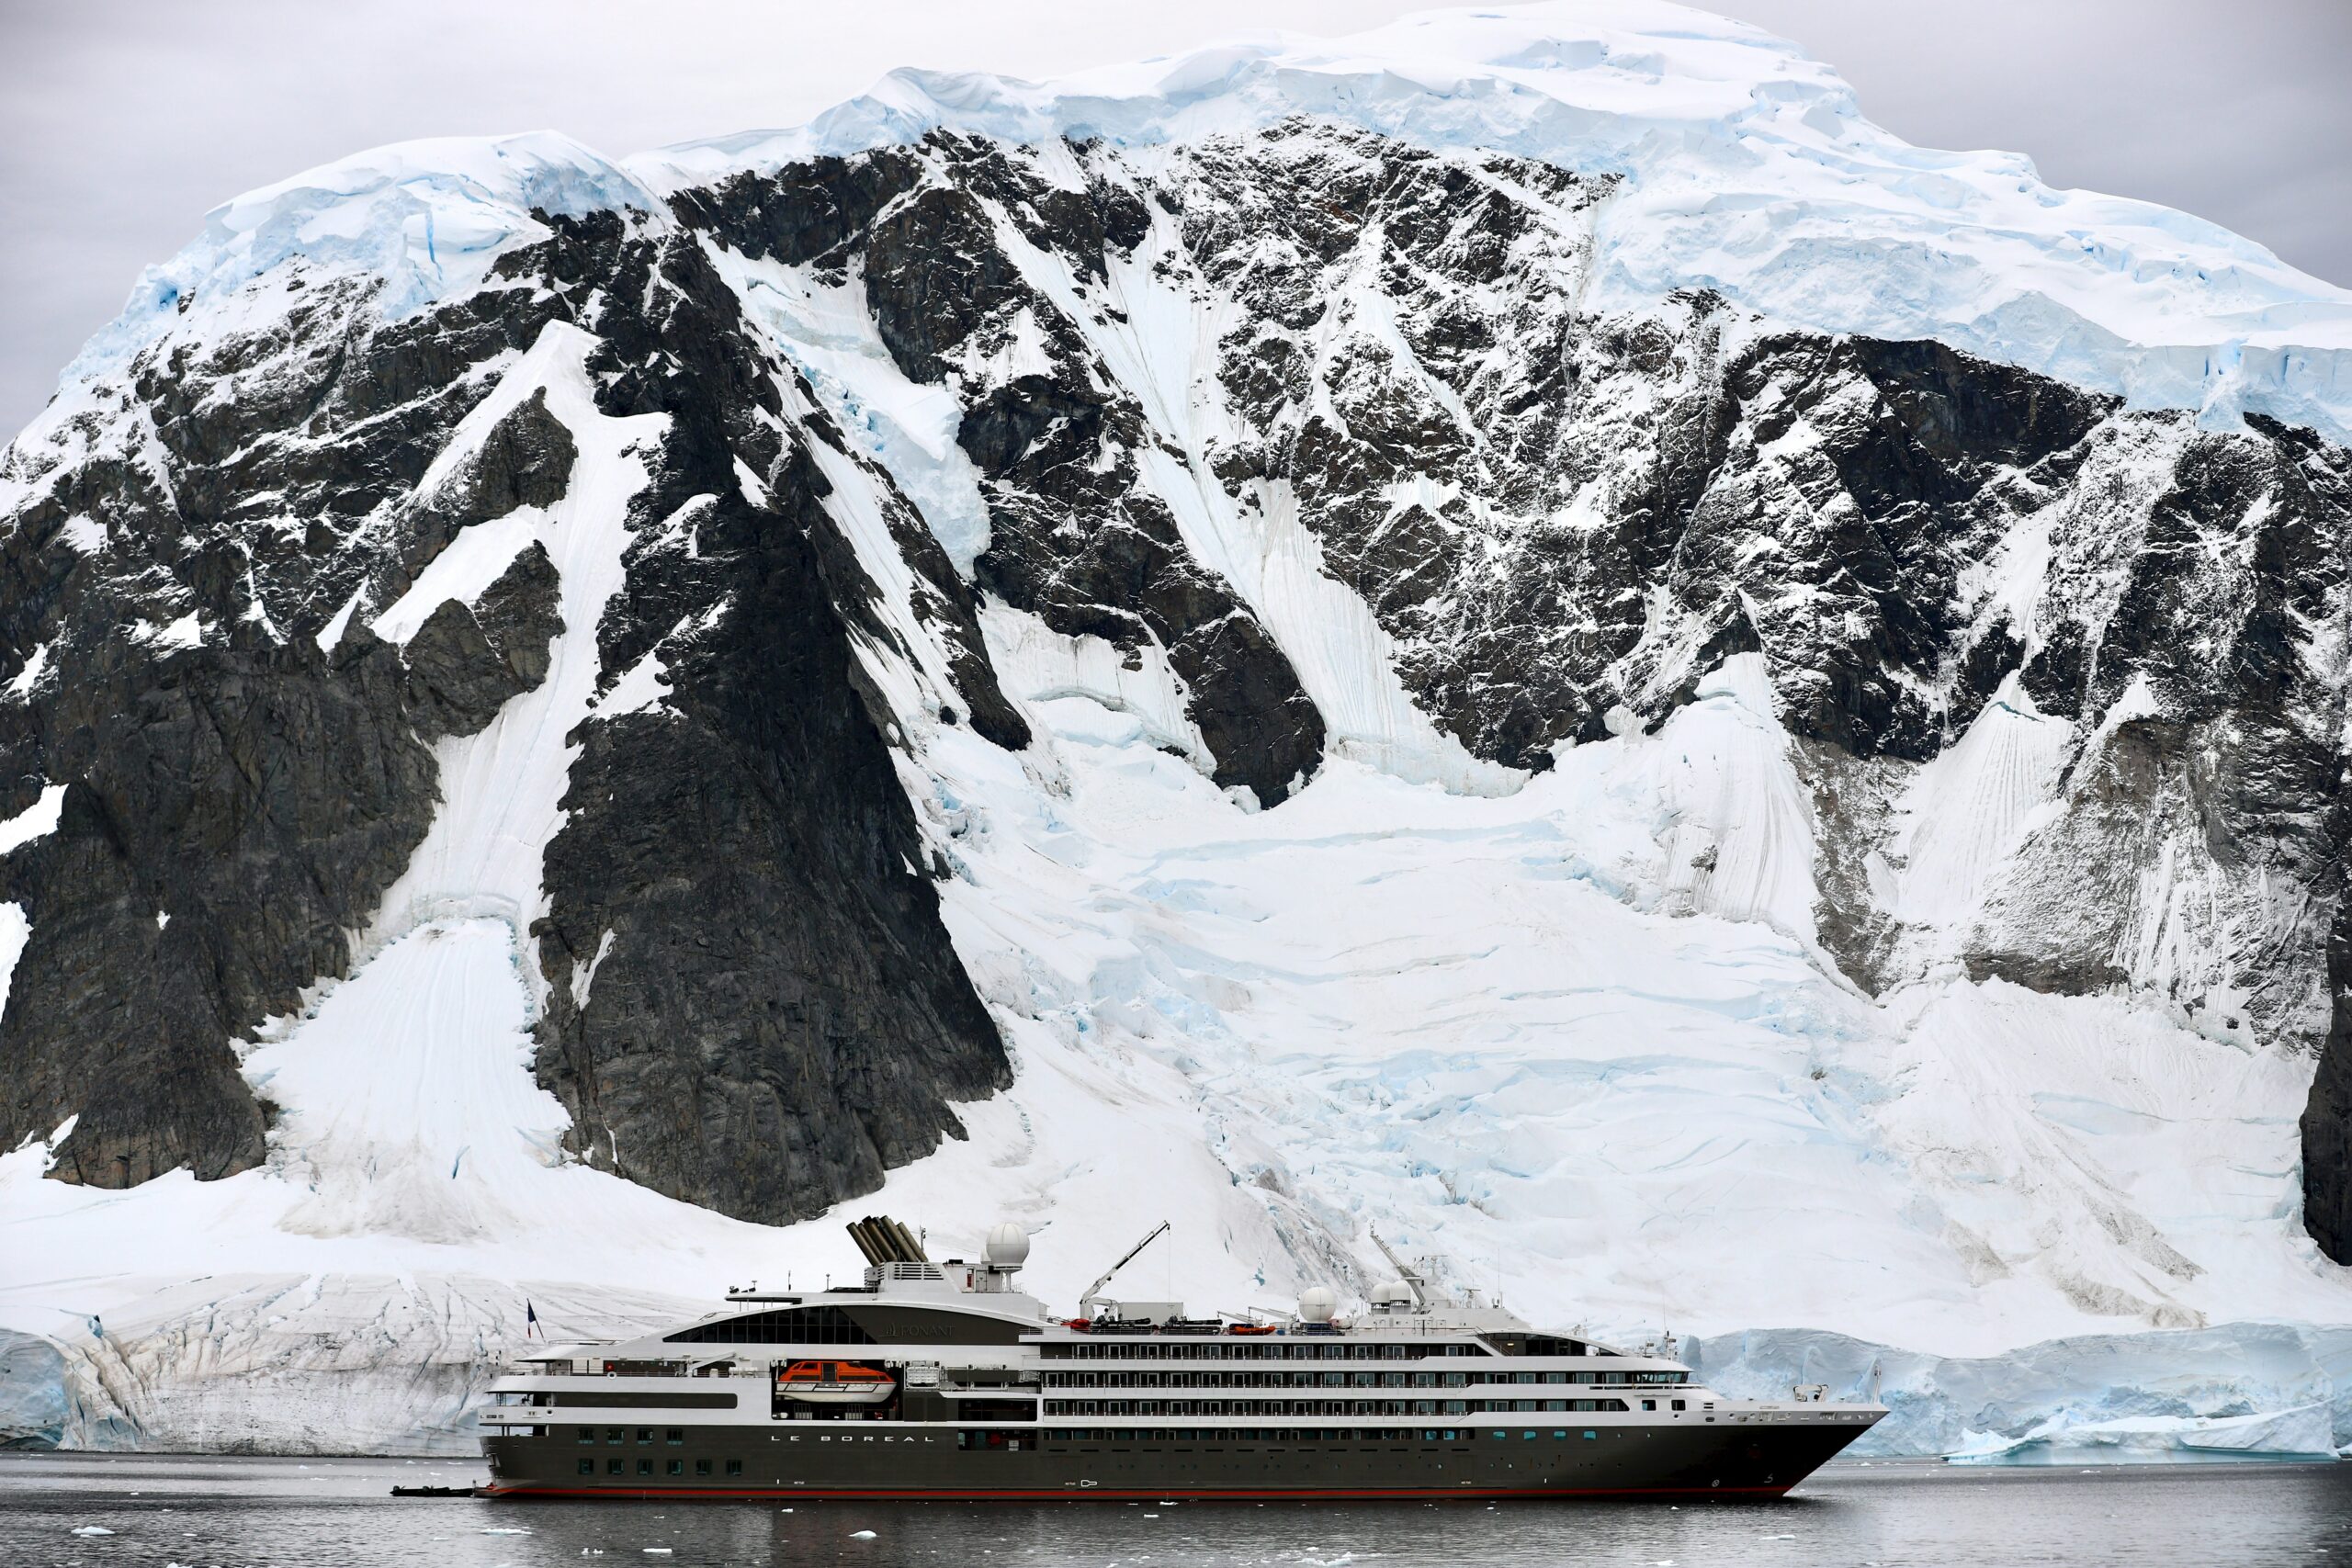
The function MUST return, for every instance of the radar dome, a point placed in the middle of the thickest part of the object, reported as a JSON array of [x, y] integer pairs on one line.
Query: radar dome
[[1391, 1292], [1008, 1245], [1317, 1304]]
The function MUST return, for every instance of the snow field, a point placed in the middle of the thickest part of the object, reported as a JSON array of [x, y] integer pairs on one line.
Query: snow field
[[1475, 1025], [502, 786]]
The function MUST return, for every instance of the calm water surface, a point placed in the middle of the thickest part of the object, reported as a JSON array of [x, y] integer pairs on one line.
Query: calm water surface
[[287, 1513]]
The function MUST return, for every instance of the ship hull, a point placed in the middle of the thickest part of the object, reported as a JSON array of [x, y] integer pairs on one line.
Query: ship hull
[[1748, 1461]]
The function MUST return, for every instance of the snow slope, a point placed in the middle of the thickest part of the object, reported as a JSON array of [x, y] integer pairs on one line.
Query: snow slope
[[1579, 1031]]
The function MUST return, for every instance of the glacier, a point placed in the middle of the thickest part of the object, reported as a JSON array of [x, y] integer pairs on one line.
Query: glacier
[[1578, 1029]]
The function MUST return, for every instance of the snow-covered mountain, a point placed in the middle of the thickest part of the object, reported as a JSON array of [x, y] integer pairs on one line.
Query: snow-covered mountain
[[1521, 629]]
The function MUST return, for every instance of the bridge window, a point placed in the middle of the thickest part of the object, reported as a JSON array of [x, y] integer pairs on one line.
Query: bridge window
[[781, 1325]]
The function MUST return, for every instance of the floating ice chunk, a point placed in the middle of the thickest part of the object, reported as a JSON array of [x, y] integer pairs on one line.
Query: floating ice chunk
[[860, 1535], [92, 1529]]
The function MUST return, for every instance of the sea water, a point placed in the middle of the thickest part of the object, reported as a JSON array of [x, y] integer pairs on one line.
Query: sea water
[[199, 1512]]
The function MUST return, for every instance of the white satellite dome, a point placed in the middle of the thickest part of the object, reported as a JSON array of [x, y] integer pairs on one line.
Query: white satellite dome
[[1391, 1292], [1317, 1304], [1008, 1245]]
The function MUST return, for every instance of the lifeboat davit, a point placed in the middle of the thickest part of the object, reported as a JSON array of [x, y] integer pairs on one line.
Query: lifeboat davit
[[834, 1382]]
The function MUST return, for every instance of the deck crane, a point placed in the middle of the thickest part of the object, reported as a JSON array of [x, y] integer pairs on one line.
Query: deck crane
[[1093, 1296]]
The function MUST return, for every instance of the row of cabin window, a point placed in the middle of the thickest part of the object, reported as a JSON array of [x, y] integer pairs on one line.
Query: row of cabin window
[[645, 1467], [1327, 1407], [1344, 1379], [670, 1435], [1181, 1349], [1214, 1436]]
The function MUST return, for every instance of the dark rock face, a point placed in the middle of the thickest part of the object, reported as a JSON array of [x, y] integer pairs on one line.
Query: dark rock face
[[1078, 537], [752, 1004], [463, 667], [262, 791], [236, 797]]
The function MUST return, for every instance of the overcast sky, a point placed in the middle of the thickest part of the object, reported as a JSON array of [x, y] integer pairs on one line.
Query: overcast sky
[[123, 121]]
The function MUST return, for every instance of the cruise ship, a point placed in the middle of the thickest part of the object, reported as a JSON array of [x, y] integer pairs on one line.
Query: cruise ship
[[941, 1380]]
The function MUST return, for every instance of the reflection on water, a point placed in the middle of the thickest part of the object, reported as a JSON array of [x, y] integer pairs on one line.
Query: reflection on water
[[292, 1513]]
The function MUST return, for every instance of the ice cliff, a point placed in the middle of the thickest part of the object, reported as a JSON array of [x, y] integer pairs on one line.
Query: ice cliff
[[1521, 629]]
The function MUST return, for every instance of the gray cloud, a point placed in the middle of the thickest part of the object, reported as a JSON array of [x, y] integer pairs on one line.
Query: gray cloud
[[122, 121]]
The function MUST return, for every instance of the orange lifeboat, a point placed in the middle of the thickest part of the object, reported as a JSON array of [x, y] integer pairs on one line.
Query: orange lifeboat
[[834, 1382]]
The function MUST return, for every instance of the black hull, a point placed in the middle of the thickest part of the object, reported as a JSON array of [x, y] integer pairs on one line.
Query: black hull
[[1667, 1463]]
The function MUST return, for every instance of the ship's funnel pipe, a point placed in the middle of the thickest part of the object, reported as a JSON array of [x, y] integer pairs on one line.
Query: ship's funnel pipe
[[909, 1250], [868, 1243]]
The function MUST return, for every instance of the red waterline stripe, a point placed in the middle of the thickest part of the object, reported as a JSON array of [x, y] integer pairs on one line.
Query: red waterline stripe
[[1083, 1494]]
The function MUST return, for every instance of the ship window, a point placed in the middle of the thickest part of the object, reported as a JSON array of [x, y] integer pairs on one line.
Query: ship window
[[1457, 1380], [645, 1434], [616, 1466], [1501, 1435], [613, 1434], [1559, 1433], [734, 1467], [1593, 1435], [1528, 1436], [781, 1325], [587, 1467], [702, 1466], [678, 1467], [1650, 1404], [645, 1467], [677, 1434], [1677, 1405], [587, 1434], [1555, 1377]]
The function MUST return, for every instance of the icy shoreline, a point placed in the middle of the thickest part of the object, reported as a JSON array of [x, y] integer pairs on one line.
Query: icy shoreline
[[2235, 1393]]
